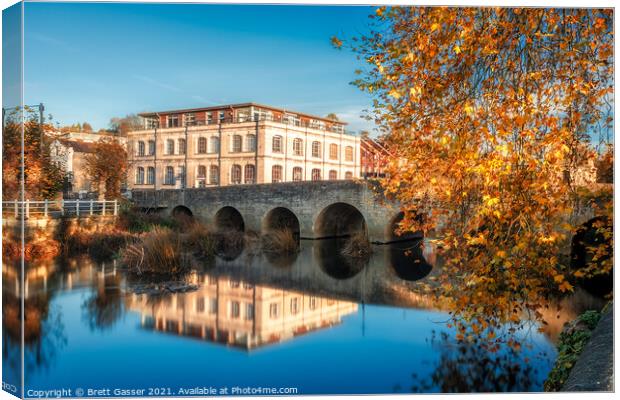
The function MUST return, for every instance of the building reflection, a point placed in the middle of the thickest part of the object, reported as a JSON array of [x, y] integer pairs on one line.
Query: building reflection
[[236, 313]]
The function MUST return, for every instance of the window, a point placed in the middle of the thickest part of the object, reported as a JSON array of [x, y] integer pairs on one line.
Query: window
[[235, 309], [182, 146], [182, 175], [140, 148], [151, 147], [316, 124], [250, 143], [312, 303], [202, 176], [202, 145], [298, 147], [173, 121], [297, 174], [348, 153], [214, 175], [249, 311], [291, 119], [150, 176], [276, 173], [316, 174], [277, 144], [316, 149], [235, 174], [274, 310], [249, 174], [333, 175], [169, 178], [213, 306], [233, 283], [222, 116], [169, 146], [209, 118], [236, 144], [294, 305], [190, 119], [140, 176], [348, 175], [151, 123], [200, 304], [333, 151], [215, 144]]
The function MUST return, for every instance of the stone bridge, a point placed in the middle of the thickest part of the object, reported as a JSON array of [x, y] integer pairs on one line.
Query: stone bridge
[[313, 210]]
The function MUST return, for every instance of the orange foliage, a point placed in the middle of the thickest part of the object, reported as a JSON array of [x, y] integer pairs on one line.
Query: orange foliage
[[487, 110]]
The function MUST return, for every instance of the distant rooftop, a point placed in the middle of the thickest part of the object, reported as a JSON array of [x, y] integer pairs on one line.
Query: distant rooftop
[[237, 106]]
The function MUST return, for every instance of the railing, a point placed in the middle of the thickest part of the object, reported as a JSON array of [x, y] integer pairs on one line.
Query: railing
[[58, 208], [243, 119]]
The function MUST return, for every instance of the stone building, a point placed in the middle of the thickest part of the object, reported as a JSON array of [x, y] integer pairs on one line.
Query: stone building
[[239, 144]]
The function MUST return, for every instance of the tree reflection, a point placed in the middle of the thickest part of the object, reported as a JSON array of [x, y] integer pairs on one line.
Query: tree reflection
[[476, 365], [328, 253], [105, 306]]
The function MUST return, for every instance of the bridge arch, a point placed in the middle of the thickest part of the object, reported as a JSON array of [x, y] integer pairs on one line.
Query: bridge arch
[[229, 219], [182, 211], [281, 218], [339, 220]]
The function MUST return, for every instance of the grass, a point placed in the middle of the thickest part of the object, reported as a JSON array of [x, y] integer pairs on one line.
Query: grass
[[201, 241], [158, 252], [572, 341], [357, 246], [281, 241], [132, 220]]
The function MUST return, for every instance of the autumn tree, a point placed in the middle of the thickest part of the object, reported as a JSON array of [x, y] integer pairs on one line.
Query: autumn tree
[[107, 167], [42, 178], [86, 127], [125, 124], [332, 116], [487, 111]]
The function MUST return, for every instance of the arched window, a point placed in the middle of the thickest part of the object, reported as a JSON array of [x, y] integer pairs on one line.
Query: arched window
[[348, 153], [333, 151], [140, 148], [214, 175], [297, 174], [140, 175], [333, 175], [182, 146], [298, 147], [169, 178], [214, 144], [235, 174], [316, 174], [250, 143], [150, 176], [202, 145], [169, 146], [236, 144], [249, 174], [276, 173], [316, 149], [277, 144], [151, 147], [348, 175]]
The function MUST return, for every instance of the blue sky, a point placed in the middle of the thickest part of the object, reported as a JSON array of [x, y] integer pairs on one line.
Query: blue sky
[[91, 62]]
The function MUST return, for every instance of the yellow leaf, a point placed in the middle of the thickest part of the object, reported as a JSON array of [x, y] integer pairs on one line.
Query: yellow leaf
[[394, 93], [457, 49], [434, 27]]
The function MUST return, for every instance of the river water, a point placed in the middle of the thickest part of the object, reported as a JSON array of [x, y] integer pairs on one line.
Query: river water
[[314, 323]]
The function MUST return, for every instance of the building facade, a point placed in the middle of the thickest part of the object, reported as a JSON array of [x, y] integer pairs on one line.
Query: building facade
[[239, 144]]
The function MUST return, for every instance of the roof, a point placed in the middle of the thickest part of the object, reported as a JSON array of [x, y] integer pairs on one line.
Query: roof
[[236, 105], [79, 145]]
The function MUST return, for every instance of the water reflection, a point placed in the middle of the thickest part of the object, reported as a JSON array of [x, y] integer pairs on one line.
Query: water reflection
[[237, 313], [317, 305], [328, 253]]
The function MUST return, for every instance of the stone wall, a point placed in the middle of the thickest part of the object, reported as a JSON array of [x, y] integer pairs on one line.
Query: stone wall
[[307, 200]]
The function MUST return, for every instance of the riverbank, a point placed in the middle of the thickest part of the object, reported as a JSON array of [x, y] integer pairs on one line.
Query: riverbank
[[594, 369]]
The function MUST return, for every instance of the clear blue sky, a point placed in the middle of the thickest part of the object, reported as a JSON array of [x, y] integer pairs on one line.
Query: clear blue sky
[[91, 62]]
